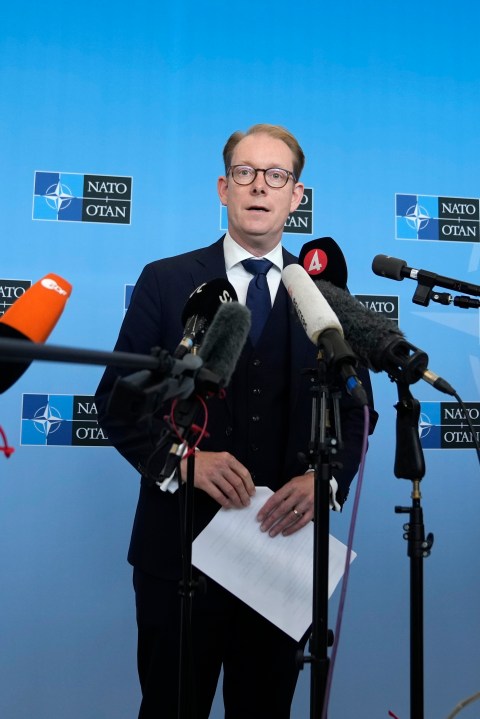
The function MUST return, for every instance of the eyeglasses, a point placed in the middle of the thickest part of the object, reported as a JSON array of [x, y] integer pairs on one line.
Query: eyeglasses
[[274, 176]]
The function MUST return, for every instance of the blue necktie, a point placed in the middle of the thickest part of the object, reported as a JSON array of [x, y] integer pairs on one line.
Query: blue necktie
[[258, 295]]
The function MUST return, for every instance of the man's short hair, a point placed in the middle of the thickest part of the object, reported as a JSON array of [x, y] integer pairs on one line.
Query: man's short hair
[[276, 131]]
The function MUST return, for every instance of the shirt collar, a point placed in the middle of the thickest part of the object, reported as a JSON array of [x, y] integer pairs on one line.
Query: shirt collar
[[234, 254]]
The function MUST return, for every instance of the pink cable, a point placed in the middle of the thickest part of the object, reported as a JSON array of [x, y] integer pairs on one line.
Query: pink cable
[[366, 423]]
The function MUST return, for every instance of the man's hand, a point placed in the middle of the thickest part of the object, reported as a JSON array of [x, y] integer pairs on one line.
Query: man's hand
[[223, 477], [290, 508]]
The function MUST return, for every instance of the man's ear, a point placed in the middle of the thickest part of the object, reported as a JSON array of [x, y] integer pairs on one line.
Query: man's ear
[[222, 189], [296, 196]]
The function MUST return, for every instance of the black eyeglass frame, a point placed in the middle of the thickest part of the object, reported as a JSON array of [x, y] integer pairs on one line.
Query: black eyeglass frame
[[264, 170]]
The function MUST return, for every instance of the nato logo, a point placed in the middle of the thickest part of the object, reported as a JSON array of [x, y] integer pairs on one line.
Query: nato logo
[[60, 420], [72, 197], [11, 290], [386, 305], [428, 217], [300, 221], [443, 425]]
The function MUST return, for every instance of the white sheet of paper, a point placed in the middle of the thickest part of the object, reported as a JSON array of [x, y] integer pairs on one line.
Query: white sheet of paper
[[273, 575]]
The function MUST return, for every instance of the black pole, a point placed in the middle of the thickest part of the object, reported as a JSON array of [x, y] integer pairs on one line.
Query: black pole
[[325, 440], [14, 350], [418, 549], [319, 643], [183, 430], [409, 464], [186, 679]]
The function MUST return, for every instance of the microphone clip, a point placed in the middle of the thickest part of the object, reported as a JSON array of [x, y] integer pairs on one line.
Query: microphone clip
[[406, 363], [423, 293]]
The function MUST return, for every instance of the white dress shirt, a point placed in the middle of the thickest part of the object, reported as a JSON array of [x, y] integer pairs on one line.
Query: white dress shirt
[[238, 275]]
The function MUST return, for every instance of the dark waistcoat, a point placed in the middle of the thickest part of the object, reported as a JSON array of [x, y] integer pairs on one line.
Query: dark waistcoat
[[260, 391]]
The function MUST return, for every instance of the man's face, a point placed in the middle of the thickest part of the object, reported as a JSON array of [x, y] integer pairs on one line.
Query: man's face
[[257, 212]]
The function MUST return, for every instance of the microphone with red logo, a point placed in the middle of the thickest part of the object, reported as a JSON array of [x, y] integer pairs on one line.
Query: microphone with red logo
[[323, 259], [32, 318]]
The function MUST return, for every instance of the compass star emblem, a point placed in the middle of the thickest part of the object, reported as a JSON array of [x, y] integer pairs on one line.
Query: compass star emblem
[[417, 217], [424, 425], [47, 420], [58, 196]]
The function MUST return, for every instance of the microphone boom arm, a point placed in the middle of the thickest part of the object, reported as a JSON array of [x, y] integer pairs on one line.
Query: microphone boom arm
[[397, 269], [159, 377]]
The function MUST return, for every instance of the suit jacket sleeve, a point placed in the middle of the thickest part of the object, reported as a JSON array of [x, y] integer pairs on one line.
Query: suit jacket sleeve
[[143, 329], [352, 422]]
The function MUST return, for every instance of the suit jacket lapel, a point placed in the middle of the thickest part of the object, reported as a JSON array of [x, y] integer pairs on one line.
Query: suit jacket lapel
[[209, 264]]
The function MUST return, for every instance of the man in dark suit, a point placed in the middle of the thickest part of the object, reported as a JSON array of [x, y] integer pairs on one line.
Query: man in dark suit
[[255, 438]]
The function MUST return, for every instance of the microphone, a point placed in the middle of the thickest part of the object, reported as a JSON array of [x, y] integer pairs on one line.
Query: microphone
[[224, 340], [32, 317], [395, 269], [323, 327], [140, 395], [200, 310], [379, 345], [323, 259], [220, 352]]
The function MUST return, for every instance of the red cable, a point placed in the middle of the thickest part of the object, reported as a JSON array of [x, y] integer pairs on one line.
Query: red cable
[[5, 449], [200, 431]]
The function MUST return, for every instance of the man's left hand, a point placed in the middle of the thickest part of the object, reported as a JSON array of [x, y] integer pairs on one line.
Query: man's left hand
[[290, 508]]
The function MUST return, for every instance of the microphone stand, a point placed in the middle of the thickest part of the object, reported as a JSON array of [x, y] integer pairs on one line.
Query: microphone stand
[[186, 686], [183, 417], [409, 464], [324, 444]]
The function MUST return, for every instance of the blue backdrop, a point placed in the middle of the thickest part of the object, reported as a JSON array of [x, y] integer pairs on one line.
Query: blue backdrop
[[384, 98]]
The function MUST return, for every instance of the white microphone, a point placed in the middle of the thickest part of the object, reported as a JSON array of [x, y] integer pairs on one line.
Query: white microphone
[[312, 308], [323, 327]]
